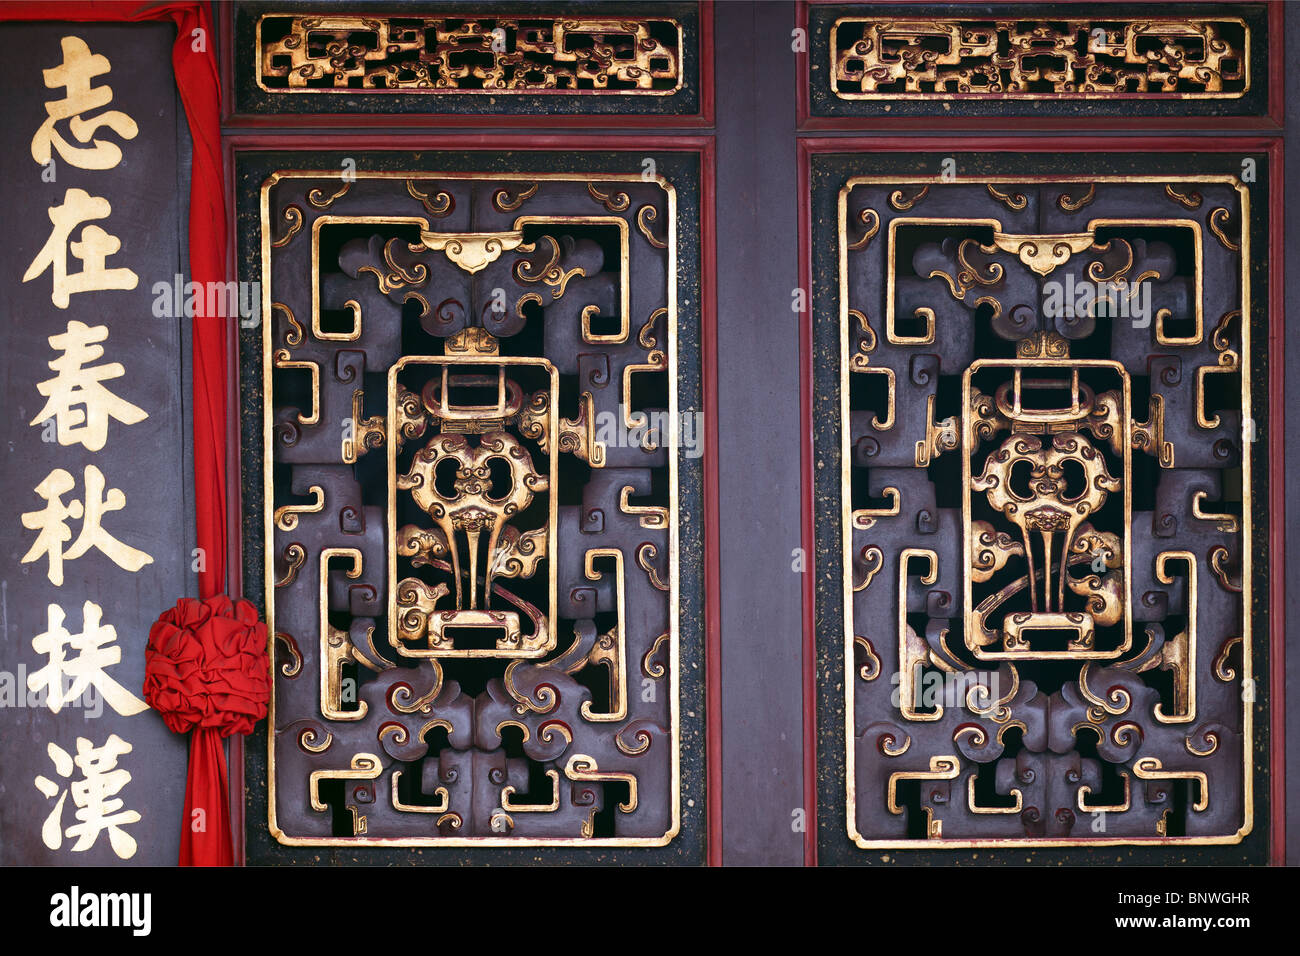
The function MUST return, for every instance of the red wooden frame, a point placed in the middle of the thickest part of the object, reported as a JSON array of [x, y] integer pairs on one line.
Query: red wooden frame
[[700, 120], [1276, 436], [1272, 121], [704, 146]]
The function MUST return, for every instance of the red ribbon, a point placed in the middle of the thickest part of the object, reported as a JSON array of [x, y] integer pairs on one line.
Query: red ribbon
[[200, 92], [207, 672]]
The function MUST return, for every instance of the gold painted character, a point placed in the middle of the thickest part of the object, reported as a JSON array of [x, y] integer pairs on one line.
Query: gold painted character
[[74, 74], [99, 808], [93, 249], [51, 524], [76, 398], [95, 648]]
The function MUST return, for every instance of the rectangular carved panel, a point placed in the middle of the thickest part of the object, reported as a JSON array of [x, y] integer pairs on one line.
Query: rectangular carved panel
[[1046, 61], [953, 57], [471, 508], [1046, 492], [509, 58], [474, 53]]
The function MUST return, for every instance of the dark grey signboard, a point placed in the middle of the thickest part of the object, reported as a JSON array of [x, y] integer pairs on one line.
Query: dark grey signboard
[[94, 498]]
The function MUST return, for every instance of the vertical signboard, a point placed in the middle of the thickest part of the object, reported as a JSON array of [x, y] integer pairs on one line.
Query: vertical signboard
[[94, 498]]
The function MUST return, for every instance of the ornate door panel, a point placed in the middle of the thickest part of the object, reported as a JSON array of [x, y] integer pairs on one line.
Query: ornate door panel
[[1040, 423], [477, 399]]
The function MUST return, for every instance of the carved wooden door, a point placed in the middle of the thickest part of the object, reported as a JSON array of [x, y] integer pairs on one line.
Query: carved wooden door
[[1041, 429], [473, 470], [761, 433]]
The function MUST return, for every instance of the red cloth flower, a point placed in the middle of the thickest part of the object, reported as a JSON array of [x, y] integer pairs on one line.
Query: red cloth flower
[[206, 666]]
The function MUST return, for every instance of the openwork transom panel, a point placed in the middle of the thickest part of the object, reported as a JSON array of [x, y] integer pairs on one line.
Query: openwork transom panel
[[950, 57], [471, 508], [1045, 395], [1048, 61], [491, 55]]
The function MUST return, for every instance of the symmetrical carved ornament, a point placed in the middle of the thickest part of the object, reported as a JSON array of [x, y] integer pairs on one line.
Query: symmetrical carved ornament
[[471, 578], [1038, 59], [490, 55], [1045, 391]]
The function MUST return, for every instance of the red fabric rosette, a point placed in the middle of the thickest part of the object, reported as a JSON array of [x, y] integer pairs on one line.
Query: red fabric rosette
[[207, 671]]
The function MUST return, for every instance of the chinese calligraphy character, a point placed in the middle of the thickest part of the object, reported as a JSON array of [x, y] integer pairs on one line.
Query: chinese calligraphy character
[[95, 795], [93, 250], [80, 405], [51, 522], [52, 529], [79, 67], [95, 650]]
